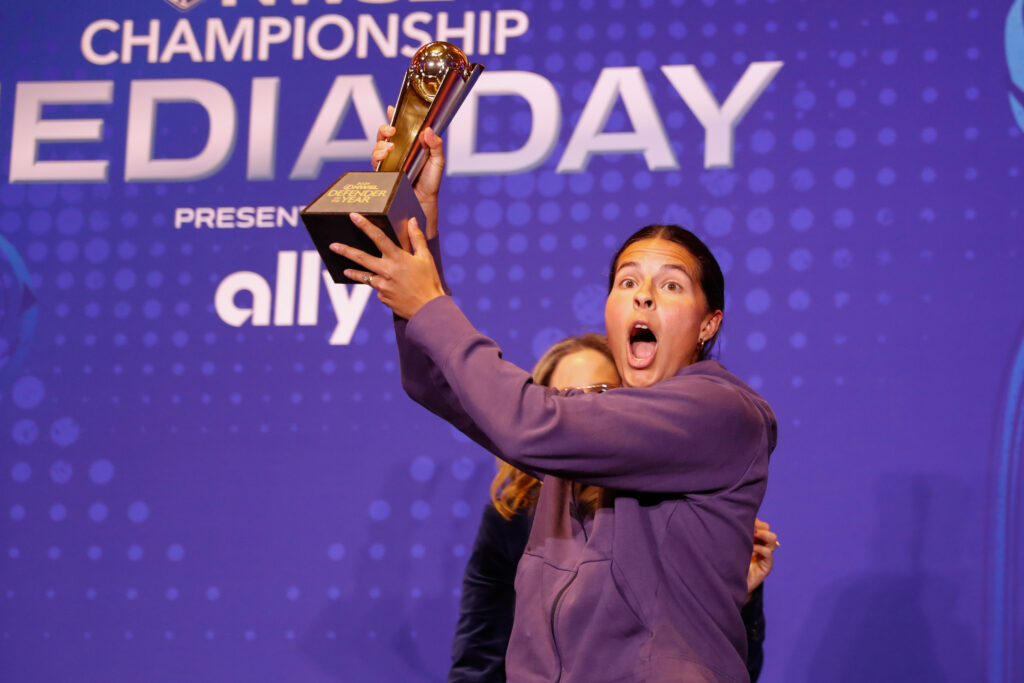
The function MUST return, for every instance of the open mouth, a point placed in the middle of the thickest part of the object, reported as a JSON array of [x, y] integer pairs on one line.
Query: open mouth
[[643, 344]]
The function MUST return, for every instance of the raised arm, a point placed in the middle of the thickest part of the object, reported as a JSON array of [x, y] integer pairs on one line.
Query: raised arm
[[421, 379], [700, 431]]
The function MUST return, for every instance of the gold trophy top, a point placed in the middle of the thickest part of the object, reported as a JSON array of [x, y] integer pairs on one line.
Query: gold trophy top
[[431, 64], [437, 81]]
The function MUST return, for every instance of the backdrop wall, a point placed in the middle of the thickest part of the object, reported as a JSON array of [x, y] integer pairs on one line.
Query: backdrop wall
[[209, 469]]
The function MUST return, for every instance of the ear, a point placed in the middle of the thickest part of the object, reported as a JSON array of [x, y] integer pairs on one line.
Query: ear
[[709, 326]]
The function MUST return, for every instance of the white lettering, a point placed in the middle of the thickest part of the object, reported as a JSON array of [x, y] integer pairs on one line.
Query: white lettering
[[299, 38], [719, 123], [643, 134], [145, 95], [88, 51], [476, 31], [150, 41], [648, 135], [205, 217], [367, 28], [228, 217], [545, 110], [320, 145], [263, 116], [309, 288], [288, 216], [347, 302], [508, 23], [466, 33], [183, 215], [217, 38], [265, 217], [421, 37], [29, 129], [181, 42], [348, 305], [284, 288], [273, 31], [225, 217], [246, 216], [243, 281], [317, 49], [485, 33]]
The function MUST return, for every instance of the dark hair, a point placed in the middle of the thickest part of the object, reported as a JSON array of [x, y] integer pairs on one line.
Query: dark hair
[[712, 282]]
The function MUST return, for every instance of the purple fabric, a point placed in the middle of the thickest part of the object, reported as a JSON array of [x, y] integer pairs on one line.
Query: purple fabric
[[488, 602], [652, 589]]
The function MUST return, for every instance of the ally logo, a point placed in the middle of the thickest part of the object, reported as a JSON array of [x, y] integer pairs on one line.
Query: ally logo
[[1015, 59], [264, 306]]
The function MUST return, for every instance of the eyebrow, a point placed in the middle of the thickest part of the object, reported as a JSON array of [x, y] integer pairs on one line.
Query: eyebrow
[[673, 266]]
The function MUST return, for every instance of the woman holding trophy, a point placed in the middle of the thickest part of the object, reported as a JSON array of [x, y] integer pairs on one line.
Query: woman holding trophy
[[649, 585], [488, 599]]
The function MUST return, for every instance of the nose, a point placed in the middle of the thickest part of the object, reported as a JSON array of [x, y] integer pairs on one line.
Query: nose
[[643, 298]]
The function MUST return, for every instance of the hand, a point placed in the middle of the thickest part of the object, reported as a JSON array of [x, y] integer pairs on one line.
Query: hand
[[428, 183], [765, 543], [404, 281]]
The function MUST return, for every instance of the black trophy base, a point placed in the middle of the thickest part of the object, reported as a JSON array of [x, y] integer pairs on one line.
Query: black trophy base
[[385, 198]]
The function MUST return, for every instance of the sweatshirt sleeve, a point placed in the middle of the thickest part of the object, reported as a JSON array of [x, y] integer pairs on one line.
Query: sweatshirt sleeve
[[699, 431], [424, 382]]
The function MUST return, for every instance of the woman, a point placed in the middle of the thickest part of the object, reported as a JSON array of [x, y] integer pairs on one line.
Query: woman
[[650, 587], [488, 596]]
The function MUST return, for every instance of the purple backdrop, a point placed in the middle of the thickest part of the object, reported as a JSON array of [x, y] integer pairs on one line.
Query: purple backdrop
[[209, 469]]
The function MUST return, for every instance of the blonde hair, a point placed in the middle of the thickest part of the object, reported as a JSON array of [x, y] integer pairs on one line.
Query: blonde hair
[[512, 489]]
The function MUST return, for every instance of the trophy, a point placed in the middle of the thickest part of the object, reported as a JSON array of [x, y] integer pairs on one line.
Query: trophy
[[436, 83]]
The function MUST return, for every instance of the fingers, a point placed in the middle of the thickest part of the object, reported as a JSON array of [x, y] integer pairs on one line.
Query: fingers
[[380, 151], [760, 524], [360, 276], [434, 144], [766, 537], [386, 131], [431, 139], [370, 263], [380, 240], [416, 238]]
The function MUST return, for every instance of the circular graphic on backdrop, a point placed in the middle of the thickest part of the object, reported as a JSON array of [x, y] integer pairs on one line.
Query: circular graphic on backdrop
[[1015, 59], [18, 312]]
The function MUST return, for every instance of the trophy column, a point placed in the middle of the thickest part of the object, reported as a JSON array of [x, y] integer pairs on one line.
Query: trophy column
[[436, 83]]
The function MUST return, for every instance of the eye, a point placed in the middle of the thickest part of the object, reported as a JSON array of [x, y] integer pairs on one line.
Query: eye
[[627, 283], [673, 286]]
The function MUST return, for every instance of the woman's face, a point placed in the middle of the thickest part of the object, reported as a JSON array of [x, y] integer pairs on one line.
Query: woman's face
[[656, 312], [584, 368]]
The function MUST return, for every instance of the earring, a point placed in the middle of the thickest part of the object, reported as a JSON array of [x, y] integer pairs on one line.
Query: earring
[[700, 345]]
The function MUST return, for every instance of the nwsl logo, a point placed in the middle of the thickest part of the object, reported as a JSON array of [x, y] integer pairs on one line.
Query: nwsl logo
[[183, 5], [1015, 59]]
